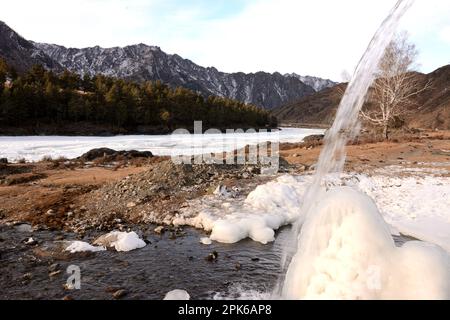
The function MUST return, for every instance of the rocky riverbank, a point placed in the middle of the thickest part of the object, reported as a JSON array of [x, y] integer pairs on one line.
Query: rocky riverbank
[[107, 190]]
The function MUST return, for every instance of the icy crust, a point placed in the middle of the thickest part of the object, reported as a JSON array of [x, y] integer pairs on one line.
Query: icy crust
[[345, 251], [416, 206]]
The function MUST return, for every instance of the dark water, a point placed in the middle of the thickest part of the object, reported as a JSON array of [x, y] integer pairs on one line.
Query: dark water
[[149, 273]]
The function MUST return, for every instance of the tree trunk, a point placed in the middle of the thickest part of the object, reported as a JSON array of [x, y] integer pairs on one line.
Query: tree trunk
[[386, 132]]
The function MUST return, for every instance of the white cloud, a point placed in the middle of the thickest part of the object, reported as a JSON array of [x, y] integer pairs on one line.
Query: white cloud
[[321, 37]]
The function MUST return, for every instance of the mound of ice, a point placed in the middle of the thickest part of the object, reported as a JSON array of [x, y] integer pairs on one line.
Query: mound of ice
[[80, 246], [345, 251], [177, 295], [121, 241], [266, 209]]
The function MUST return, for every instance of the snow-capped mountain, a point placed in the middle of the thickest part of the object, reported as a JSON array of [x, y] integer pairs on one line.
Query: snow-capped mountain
[[316, 83], [142, 62]]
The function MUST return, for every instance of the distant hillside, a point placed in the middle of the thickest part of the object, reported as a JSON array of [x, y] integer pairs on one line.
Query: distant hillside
[[42, 102], [432, 109]]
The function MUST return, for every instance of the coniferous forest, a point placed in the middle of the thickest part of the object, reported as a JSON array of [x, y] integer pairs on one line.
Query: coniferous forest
[[41, 97]]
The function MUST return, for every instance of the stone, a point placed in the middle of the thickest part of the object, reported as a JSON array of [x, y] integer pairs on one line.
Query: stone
[[24, 228], [119, 294], [27, 276], [212, 256], [317, 138], [131, 204], [113, 155], [54, 267], [30, 241], [54, 273], [159, 230]]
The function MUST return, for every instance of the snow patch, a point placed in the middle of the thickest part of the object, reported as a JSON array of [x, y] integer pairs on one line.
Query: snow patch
[[417, 206]]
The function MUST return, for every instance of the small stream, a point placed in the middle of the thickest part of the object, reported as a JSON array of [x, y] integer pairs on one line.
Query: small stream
[[246, 269]]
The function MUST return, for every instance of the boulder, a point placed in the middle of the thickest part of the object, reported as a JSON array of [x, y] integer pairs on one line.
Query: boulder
[[112, 155], [97, 153], [316, 138]]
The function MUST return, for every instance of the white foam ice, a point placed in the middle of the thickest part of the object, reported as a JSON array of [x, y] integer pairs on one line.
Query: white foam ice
[[177, 295], [121, 241], [80, 246], [206, 241], [269, 207]]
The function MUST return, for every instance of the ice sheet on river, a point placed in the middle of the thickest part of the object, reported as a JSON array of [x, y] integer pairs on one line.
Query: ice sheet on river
[[34, 148]]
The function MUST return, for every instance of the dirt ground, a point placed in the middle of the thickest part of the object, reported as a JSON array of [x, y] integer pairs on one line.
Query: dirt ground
[[42, 194], [419, 153], [51, 195]]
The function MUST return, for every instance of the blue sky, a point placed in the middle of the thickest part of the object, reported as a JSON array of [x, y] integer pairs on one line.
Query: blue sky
[[321, 37]]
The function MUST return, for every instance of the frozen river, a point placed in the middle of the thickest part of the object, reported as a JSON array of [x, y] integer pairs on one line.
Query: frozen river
[[33, 148]]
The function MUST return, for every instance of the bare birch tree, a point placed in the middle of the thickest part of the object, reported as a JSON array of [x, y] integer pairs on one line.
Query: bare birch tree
[[396, 86]]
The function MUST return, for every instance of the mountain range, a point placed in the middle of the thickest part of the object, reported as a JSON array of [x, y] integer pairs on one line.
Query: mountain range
[[431, 108], [149, 63]]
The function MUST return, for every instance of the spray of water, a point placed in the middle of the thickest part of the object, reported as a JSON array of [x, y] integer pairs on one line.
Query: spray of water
[[346, 125]]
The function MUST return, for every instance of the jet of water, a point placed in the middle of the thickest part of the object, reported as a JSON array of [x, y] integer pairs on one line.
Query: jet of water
[[346, 125]]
